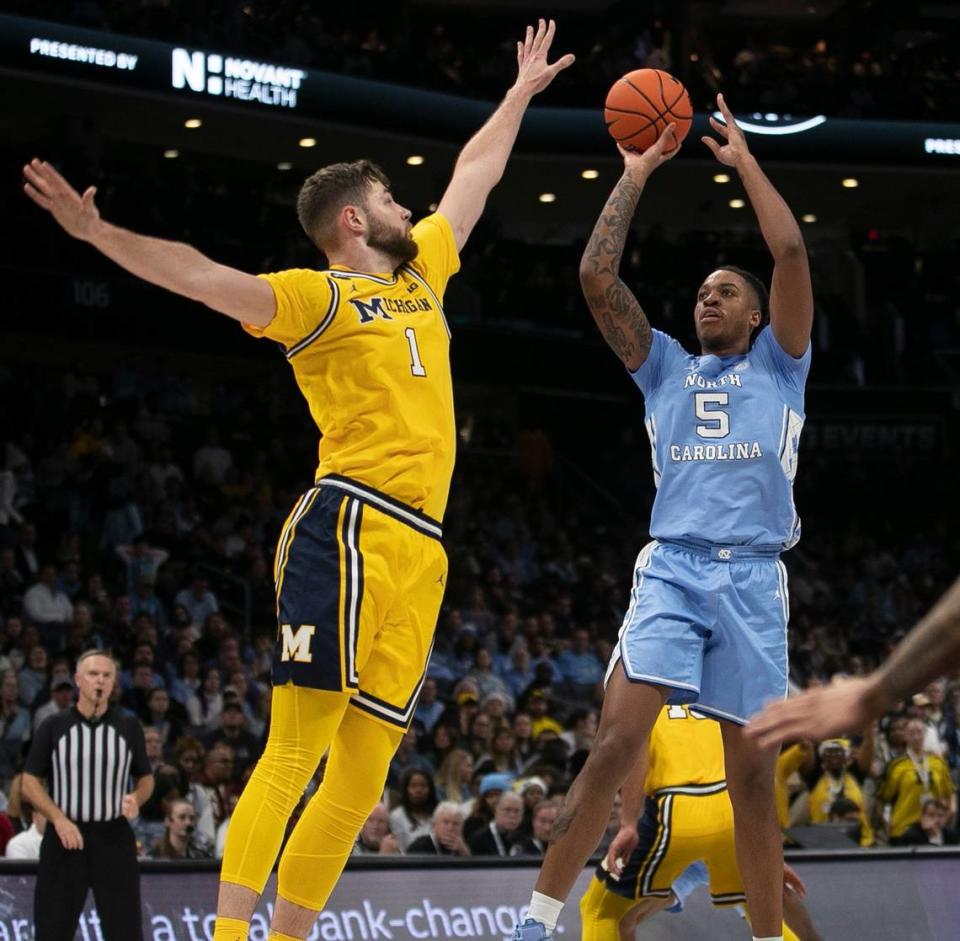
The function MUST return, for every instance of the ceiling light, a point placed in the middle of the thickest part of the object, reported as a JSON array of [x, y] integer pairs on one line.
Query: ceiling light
[[547, 197], [850, 183], [736, 204], [721, 178], [590, 174], [808, 217], [284, 165], [171, 154], [192, 123], [415, 160], [308, 142]]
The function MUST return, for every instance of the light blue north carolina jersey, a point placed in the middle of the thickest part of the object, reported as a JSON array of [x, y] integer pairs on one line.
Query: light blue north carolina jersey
[[724, 433]]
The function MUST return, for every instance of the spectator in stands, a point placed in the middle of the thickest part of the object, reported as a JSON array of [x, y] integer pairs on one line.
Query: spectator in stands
[[502, 755], [581, 669], [413, 814], [497, 837], [14, 727], [142, 562], [233, 732], [375, 836], [835, 782], [189, 755], [144, 601], [429, 707], [153, 742], [180, 839], [454, 776], [46, 605], [198, 600], [523, 735], [913, 776], [407, 759], [482, 674], [26, 844], [539, 706], [206, 704], [535, 844], [160, 715], [61, 699], [845, 811], [217, 777], [212, 460], [931, 829], [27, 560], [520, 674], [441, 742], [142, 682], [533, 790], [491, 787], [480, 740], [446, 833], [35, 675]]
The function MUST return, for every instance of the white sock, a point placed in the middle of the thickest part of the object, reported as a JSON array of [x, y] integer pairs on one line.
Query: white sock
[[545, 909], [778, 937]]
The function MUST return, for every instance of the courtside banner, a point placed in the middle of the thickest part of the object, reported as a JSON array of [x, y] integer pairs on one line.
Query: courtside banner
[[220, 78], [886, 898]]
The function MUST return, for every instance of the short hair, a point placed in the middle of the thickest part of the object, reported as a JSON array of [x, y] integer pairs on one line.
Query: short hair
[[447, 807], [843, 806], [757, 286], [94, 652], [936, 803], [327, 191]]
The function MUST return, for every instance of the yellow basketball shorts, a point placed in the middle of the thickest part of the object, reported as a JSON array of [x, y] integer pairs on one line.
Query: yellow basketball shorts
[[679, 826], [359, 579]]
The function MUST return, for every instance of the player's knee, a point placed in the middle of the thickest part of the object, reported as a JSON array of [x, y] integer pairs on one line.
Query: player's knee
[[615, 749]]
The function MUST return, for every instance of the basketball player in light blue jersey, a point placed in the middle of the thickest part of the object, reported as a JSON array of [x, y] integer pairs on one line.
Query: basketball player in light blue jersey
[[707, 621]]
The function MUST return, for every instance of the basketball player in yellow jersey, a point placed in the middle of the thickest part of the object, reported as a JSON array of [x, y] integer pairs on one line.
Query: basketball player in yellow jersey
[[360, 570], [676, 813]]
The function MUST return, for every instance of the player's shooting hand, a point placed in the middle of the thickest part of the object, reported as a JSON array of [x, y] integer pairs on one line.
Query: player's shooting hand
[[816, 714], [78, 215], [534, 73], [69, 833], [734, 148], [620, 850], [664, 149]]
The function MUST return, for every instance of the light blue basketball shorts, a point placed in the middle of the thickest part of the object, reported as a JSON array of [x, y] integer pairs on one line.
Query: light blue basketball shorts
[[711, 624]]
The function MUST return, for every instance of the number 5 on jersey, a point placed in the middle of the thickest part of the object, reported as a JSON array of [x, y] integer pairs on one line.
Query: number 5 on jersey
[[717, 421], [416, 364]]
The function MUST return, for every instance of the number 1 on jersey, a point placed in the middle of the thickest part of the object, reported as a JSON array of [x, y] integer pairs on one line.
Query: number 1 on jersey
[[416, 364]]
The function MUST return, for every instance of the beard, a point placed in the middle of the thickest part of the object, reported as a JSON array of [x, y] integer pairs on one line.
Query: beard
[[399, 247]]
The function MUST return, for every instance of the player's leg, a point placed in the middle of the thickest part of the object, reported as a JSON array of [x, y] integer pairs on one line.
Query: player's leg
[[323, 838], [303, 723], [759, 843], [629, 711]]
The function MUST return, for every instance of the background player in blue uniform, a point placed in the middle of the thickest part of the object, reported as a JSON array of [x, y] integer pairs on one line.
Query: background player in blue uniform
[[708, 612]]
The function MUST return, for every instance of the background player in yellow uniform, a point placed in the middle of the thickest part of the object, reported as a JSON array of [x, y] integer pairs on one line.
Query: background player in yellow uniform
[[359, 568], [676, 812]]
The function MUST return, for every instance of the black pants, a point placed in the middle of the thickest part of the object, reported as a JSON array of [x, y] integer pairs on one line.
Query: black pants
[[107, 864]]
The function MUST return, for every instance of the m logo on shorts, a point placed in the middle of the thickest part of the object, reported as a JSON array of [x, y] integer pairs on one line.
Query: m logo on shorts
[[295, 644]]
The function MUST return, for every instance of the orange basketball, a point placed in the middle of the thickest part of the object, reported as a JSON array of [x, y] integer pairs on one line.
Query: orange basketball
[[642, 103]]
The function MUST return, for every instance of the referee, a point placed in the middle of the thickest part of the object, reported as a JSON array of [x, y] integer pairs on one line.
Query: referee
[[88, 754]]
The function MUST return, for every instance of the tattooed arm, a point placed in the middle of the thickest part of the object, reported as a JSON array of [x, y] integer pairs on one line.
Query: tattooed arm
[[617, 312]]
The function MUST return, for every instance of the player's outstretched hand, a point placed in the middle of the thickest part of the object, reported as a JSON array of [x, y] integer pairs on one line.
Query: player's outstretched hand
[[664, 149], [792, 882], [534, 73], [78, 215], [734, 147], [815, 714], [620, 850]]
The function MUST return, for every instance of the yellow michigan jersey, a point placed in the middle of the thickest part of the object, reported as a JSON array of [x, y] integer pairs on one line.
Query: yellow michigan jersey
[[684, 749], [907, 783], [371, 355]]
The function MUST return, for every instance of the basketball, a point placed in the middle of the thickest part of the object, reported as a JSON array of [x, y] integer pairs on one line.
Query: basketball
[[642, 103]]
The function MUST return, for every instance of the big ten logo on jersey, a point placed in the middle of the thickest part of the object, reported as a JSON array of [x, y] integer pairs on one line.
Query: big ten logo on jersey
[[295, 644], [675, 711], [386, 307]]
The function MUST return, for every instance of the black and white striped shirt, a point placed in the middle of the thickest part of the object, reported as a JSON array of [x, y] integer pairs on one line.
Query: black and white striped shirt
[[88, 763]]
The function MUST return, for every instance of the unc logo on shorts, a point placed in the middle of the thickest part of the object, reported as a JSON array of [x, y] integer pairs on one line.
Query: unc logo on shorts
[[295, 644], [725, 555]]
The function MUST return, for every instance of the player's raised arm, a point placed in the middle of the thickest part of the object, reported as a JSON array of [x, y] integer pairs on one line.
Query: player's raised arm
[[482, 161], [616, 310], [791, 293], [171, 265]]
